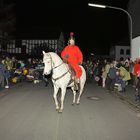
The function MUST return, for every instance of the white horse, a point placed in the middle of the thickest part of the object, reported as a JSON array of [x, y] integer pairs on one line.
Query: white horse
[[61, 78]]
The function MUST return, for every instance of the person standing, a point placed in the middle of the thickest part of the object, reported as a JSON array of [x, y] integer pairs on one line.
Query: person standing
[[2, 74]]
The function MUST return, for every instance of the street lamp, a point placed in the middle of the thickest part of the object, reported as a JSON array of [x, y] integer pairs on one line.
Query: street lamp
[[117, 8]]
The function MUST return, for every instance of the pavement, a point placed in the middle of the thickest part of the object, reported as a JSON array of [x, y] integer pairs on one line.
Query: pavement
[[27, 112], [129, 96]]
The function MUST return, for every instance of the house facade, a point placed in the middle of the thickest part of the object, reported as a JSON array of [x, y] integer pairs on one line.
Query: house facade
[[135, 48], [134, 11], [120, 51], [30, 43]]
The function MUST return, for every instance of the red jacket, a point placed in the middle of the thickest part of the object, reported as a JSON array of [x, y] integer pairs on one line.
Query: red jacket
[[136, 68], [75, 55]]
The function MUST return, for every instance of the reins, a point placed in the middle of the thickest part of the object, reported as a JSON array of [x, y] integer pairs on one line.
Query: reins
[[52, 63]]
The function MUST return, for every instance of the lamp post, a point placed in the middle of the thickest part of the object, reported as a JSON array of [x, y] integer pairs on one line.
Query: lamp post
[[117, 8]]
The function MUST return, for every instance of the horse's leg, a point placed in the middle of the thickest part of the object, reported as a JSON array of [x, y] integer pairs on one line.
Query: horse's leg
[[63, 92], [55, 97], [74, 95], [80, 92]]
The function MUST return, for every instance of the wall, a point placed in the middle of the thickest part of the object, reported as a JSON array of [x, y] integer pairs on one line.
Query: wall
[[135, 48], [134, 10], [117, 52]]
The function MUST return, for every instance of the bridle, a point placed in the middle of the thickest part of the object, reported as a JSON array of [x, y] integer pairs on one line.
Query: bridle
[[54, 67]]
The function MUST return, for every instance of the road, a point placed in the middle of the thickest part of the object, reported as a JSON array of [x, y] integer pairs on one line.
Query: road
[[27, 112]]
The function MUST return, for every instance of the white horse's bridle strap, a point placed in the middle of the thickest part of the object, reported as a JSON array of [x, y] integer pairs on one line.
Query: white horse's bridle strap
[[58, 66], [55, 79], [53, 63]]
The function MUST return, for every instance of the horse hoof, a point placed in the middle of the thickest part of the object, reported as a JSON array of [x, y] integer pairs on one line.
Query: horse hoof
[[57, 109], [78, 103], [73, 104], [60, 111]]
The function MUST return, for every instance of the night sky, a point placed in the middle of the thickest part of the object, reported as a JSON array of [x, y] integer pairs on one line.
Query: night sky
[[96, 29]]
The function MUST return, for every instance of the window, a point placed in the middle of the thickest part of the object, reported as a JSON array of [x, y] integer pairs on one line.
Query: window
[[127, 52], [121, 51]]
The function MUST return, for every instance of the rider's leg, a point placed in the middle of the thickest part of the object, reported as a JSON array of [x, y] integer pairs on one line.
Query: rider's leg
[[78, 72], [77, 79]]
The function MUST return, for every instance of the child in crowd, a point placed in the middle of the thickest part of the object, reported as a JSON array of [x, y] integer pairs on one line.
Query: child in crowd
[[120, 82]]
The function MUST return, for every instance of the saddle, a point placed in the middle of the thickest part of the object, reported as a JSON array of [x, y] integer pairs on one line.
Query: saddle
[[72, 72]]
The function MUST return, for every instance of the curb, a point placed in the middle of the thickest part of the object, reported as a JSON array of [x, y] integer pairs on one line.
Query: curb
[[135, 105]]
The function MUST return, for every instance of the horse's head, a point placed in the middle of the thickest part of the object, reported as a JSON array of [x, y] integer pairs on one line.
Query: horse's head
[[47, 60]]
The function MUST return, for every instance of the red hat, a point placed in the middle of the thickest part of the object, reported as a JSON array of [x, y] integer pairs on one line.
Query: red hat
[[71, 36], [71, 33]]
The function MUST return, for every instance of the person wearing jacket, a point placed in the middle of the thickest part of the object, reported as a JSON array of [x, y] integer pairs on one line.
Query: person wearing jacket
[[73, 56]]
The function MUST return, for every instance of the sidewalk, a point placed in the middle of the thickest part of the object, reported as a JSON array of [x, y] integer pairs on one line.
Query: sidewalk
[[129, 97]]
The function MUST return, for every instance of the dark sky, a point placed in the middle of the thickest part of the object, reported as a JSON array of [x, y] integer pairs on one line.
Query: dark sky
[[95, 29]]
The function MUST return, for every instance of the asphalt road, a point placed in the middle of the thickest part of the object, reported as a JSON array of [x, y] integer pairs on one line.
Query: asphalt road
[[27, 112]]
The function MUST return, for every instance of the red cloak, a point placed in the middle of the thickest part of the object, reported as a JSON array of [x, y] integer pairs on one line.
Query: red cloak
[[74, 57]]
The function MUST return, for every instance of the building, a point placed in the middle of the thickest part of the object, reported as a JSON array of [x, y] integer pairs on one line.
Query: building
[[33, 41], [134, 10], [39, 39], [136, 48], [120, 51]]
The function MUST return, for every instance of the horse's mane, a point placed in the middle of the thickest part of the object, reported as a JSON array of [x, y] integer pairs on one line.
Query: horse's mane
[[55, 55]]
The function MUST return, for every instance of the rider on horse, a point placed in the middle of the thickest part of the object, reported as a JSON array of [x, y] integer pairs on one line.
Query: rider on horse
[[73, 56]]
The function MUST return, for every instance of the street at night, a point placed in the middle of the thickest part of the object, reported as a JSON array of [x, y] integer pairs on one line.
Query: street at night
[[28, 113], [91, 47]]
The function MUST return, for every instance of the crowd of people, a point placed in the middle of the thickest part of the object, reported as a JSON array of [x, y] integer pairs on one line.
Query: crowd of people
[[13, 71], [115, 74], [106, 73], [109, 74]]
